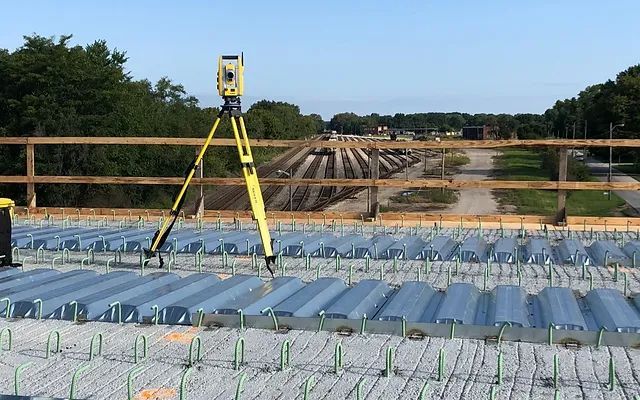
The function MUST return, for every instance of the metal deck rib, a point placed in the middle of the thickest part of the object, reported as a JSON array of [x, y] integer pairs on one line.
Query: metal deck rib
[[328, 244], [299, 305]]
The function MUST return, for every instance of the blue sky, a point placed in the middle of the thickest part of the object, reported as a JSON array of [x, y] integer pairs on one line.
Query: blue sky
[[362, 56]]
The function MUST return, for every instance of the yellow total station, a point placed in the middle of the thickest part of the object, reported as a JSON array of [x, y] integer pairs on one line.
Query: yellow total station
[[230, 87], [230, 76]]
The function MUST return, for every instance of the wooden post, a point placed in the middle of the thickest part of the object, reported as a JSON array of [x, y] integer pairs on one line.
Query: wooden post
[[200, 202], [375, 174], [442, 170], [561, 213], [31, 188], [425, 161]]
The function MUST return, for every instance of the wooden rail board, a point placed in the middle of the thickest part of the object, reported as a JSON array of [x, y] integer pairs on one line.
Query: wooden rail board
[[380, 144], [395, 183]]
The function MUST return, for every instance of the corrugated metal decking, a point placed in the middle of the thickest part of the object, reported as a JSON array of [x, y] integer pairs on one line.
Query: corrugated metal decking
[[127, 297]]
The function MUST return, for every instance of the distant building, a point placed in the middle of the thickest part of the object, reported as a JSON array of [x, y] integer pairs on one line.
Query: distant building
[[377, 130], [481, 132]]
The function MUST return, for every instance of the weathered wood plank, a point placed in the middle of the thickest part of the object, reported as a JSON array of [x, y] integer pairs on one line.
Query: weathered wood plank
[[383, 144], [395, 183]]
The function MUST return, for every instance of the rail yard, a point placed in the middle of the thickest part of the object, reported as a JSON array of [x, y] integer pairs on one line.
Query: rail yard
[[310, 163]]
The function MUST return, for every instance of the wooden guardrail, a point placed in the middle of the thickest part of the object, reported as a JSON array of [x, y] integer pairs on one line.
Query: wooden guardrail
[[561, 185], [376, 144]]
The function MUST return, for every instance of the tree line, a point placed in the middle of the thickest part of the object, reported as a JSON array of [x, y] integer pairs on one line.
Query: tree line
[[591, 111], [49, 87]]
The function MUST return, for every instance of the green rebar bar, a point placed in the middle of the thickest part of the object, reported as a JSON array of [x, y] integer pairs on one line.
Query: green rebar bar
[[57, 338], [9, 338], [145, 348], [240, 385], [556, 371], [500, 368], [612, 374], [92, 347], [452, 331], [363, 324], [423, 392], [7, 307], [74, 380], [183, 383], [485, 278], [337, 358], [200, 317], [273, 317], [388, 369], [359, 389], [133, 372], [321, 323], [350, 276], [196, 339], [241, 316], [238, 354], [285, 355], [441, 365], [308, 386], [16, 376], [156, 313], [599, 339], [501, 331], [39, 303]]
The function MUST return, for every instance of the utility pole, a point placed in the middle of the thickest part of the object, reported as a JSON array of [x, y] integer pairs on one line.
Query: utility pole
[[290, 190], [406, 165], [573, 150], [584, 151], [611, 128], [610, 157]]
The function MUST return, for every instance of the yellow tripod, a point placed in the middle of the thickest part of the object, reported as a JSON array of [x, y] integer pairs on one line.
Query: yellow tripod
[[230, 87]]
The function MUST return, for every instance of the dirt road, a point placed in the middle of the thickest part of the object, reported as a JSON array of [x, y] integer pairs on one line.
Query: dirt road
[[475, 201]]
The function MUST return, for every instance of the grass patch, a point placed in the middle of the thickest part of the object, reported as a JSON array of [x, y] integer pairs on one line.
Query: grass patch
[[455, 160], [436, 196], [528, 165]]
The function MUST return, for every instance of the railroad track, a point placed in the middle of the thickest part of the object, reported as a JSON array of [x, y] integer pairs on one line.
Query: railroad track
[[343, 163], [326, 192]]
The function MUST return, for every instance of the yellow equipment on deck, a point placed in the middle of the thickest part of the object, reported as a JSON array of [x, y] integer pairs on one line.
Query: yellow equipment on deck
[[6, 217], [230, 87]]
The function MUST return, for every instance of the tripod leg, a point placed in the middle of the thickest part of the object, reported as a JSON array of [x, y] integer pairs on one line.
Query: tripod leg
[[161, 234], [253, 187]]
